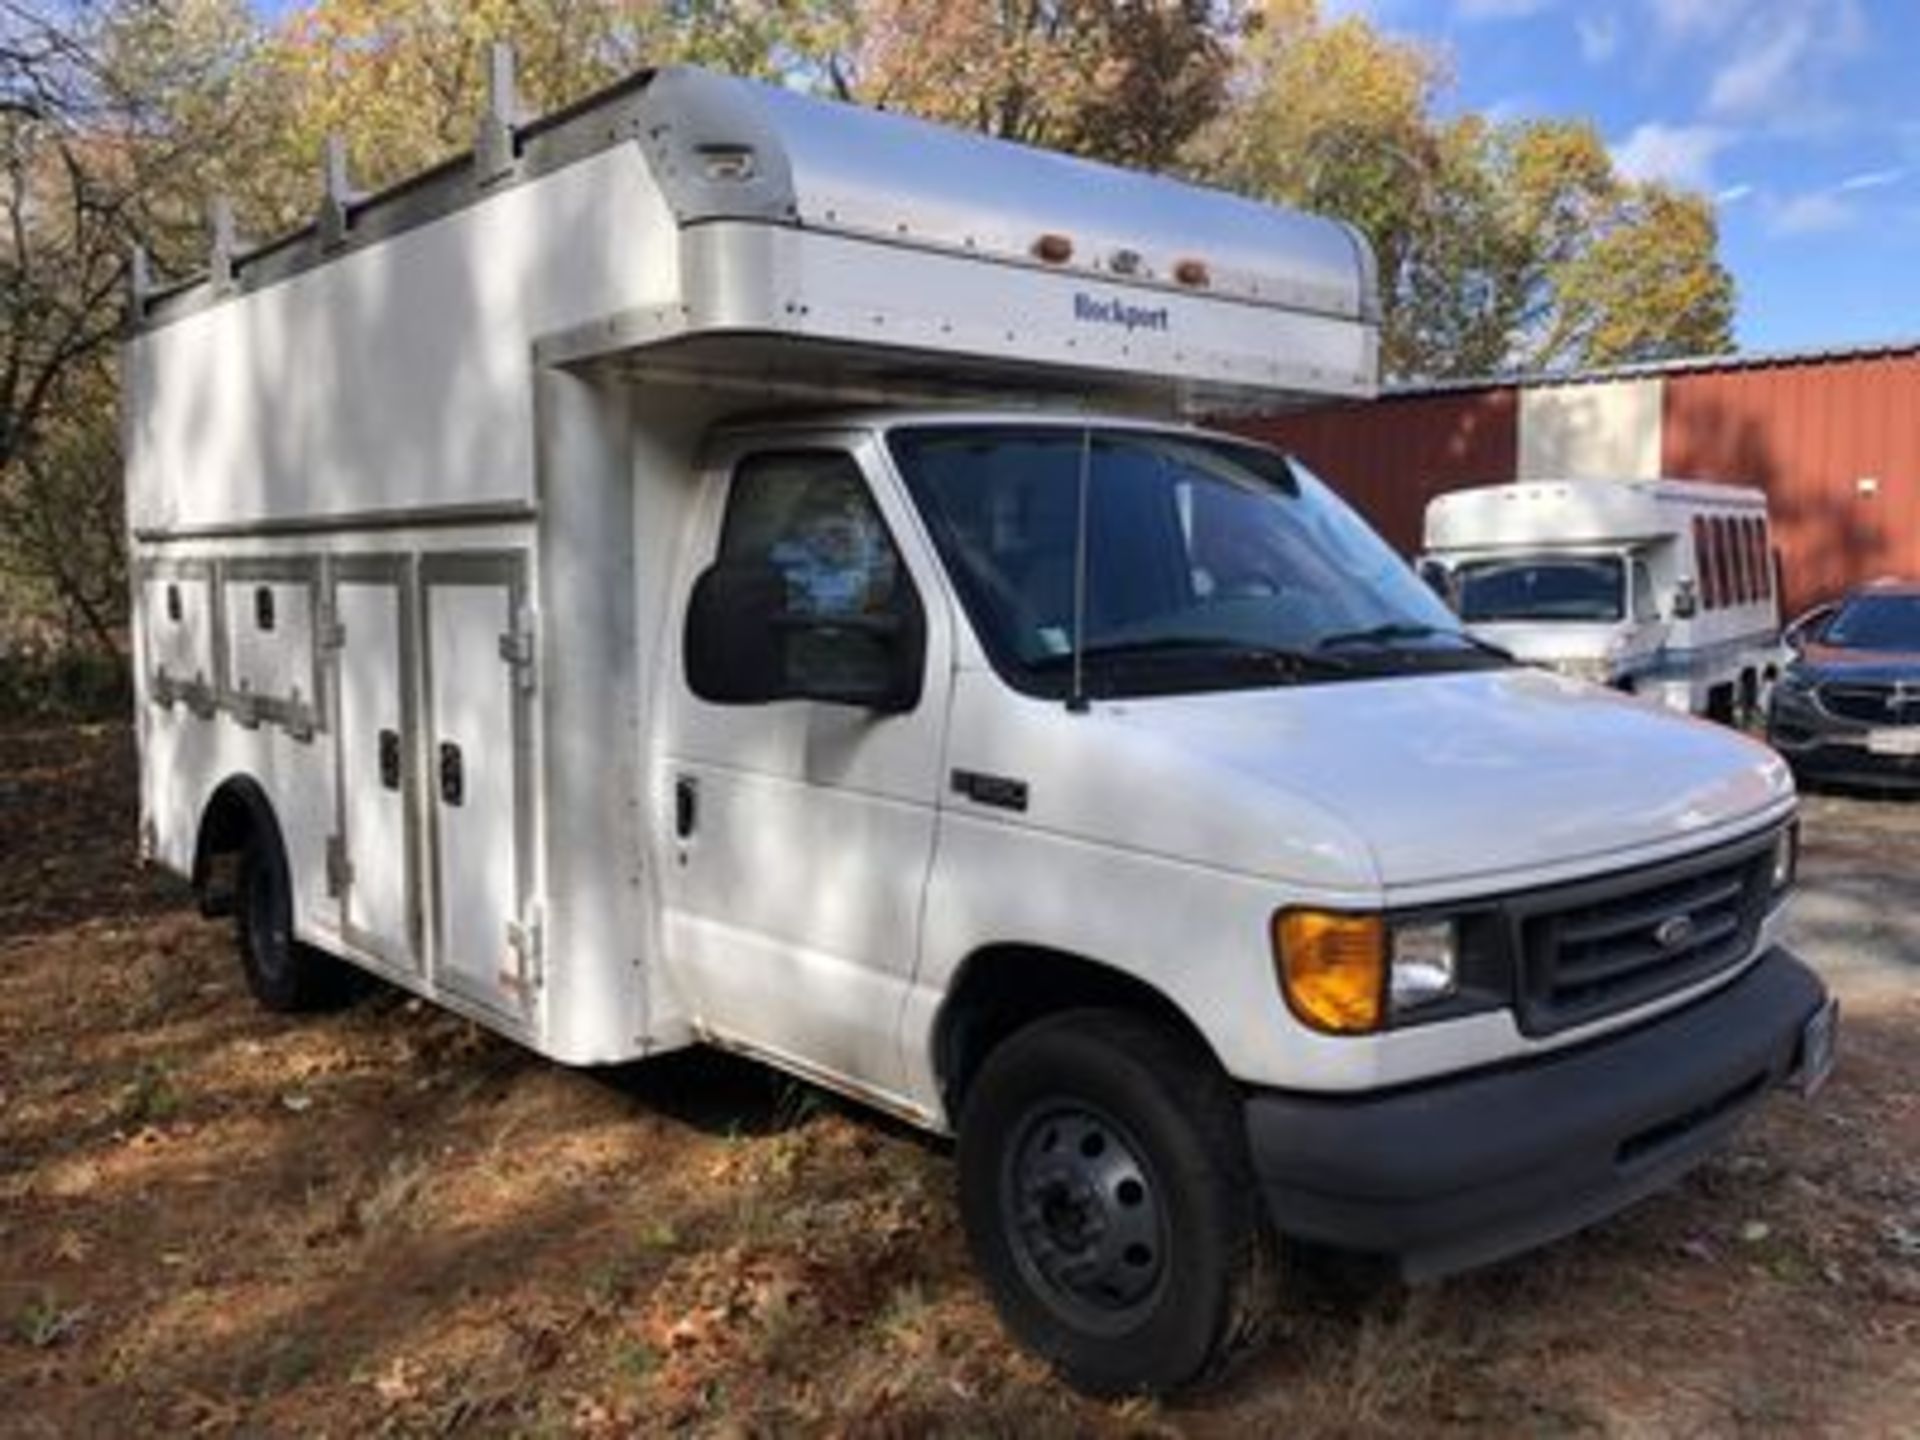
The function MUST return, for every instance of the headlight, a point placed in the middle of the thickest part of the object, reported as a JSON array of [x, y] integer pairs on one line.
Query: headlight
[[1425, 964], [1795, 682], [1347, 974], [1786, 859]]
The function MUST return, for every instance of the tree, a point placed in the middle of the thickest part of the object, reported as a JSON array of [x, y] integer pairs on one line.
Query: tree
[[84, 172], [1645, 286], [1499, 246], [403, 81], [1121, 80]]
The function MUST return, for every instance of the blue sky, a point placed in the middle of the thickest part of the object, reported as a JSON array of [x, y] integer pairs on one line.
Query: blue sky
[[1800, 117]]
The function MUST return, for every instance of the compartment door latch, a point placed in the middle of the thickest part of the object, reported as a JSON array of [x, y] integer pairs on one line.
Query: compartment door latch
[[517, 648], [526, 941], [339, 867]]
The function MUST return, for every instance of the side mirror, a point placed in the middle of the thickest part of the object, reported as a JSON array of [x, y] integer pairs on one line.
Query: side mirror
[[1805, 630], [744, 646], [1686, 604]]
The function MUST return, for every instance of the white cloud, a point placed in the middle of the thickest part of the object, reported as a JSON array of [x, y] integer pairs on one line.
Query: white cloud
[[1733, 194], [1680, 18], [1872, 180], [1599, 37], [1472, 10], [1674, 154], [1767, 58], [1757, 74], [1816, 212]]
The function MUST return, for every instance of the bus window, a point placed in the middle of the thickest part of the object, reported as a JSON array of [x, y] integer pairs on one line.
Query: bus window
[[1703, 563]]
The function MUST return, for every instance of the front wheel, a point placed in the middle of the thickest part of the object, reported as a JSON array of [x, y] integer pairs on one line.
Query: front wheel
[[1107, 1198]]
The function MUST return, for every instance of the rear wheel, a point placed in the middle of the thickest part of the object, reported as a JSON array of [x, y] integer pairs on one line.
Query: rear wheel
[[284, 975], [1109, 1204]]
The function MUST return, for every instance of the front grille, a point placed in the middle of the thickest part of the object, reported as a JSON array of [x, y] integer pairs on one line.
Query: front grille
[[1590, 949], [1872, 704]]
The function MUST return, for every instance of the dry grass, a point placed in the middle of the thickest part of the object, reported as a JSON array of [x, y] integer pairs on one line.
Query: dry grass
[[386, 1221]]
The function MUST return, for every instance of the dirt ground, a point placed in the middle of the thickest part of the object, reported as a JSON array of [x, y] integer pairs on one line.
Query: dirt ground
[[384, 1221]]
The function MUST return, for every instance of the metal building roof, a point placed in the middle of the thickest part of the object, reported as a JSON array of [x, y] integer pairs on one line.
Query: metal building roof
[[1650, 369]]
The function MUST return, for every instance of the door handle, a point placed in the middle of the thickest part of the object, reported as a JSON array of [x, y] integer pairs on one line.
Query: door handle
[[686, 806], [390, 759], [453, 774]]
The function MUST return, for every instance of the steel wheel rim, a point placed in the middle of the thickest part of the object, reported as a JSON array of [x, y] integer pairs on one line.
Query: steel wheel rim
[[1085, 1215]]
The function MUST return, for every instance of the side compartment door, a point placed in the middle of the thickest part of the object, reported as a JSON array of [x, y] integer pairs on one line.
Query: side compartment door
[[479, 673], [379, 840]]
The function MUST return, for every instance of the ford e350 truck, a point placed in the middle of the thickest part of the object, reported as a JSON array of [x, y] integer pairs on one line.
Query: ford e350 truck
[[718, 566]]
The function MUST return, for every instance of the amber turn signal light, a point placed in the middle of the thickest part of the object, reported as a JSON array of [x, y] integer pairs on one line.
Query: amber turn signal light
[[1332, 968]]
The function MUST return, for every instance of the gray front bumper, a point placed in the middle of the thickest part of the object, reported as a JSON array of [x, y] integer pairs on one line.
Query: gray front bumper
[[1469, 1170]]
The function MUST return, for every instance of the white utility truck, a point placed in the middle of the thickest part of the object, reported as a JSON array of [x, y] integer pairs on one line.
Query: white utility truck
[[719, 566], [1661, 588]]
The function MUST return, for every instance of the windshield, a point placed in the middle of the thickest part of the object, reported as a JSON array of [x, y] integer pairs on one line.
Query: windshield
[[1875, 622], [1542, 587], [1208, 563]]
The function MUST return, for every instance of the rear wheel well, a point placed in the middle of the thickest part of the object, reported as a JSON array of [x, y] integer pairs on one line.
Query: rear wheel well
[[1002, 989], [237, 815]]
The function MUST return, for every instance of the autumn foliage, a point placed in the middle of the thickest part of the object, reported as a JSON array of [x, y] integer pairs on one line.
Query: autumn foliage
[[1501, 244]]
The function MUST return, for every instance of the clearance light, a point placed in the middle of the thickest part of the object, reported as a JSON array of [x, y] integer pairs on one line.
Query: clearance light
[[1054, 249], [728, 162], [1193, 274], [1333, 968]]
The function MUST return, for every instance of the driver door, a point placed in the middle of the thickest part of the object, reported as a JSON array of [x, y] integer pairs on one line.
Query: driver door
[[799, 834]]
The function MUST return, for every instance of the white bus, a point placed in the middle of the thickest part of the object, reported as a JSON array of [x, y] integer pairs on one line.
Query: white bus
[[1661, 588]]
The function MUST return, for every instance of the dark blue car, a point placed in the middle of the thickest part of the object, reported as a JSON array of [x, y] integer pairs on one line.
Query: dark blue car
[[1847, 709]]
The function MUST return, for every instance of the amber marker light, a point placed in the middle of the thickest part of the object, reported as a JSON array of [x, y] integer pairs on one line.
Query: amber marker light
[[1193, 274], [1054, 249], [1333, 968]]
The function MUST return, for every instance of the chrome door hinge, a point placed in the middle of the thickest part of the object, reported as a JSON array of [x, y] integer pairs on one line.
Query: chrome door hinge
[[329, 631], [339, 867], [519, 650]]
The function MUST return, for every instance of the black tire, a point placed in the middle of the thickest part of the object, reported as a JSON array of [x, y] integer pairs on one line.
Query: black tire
[[1109, 1203], [284, 975]]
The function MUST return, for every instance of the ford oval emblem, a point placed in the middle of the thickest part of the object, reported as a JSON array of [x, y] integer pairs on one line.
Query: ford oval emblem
[[1673, 932]]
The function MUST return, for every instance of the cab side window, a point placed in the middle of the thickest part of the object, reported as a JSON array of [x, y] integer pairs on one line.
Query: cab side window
[[1646, 609], [807, 516], [808, 597]]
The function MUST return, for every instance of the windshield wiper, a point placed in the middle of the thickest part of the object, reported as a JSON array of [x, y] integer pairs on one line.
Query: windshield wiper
[[1195, 649], [1392, 630], [1384, 634]]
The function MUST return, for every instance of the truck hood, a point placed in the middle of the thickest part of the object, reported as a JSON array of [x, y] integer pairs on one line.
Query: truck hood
[[1450, 777]]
